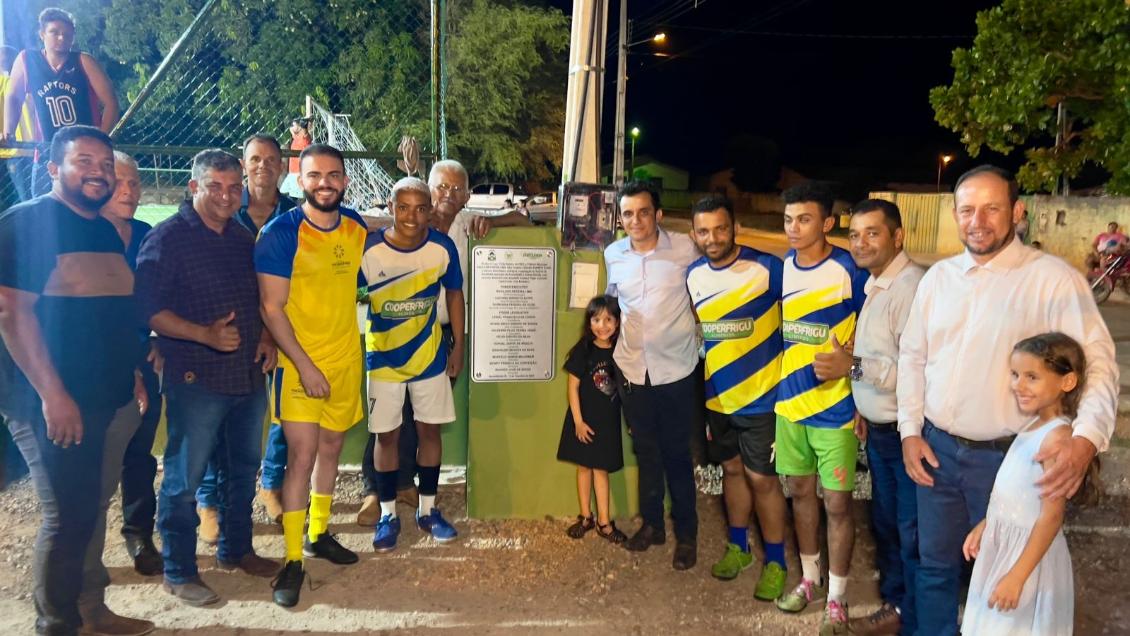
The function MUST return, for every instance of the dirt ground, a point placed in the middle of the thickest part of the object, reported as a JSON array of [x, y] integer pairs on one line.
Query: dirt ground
[[515, 577]]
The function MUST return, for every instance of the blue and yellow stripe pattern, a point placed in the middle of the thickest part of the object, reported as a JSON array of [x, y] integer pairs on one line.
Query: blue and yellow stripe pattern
[[403, 340], [818, 302], [739, 309]]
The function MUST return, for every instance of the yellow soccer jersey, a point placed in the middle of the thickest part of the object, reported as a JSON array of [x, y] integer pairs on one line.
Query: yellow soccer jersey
[[323, 267]]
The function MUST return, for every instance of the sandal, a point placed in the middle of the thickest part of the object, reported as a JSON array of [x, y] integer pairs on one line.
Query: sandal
[[579, 529], [612, 534]]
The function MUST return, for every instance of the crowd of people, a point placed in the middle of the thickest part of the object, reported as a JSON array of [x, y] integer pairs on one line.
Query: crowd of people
[[982, 388]]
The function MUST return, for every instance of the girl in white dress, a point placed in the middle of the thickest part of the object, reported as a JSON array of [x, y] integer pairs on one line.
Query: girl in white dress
[[1022, 580]]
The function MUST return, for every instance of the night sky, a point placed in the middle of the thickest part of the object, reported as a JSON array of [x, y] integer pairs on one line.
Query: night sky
[[854, 110]]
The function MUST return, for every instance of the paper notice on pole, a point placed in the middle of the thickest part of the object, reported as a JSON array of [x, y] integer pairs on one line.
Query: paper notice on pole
[[513, 327], [583, 287]]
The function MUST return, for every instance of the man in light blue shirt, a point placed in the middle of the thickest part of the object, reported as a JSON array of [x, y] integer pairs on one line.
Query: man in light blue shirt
[[657, 354]]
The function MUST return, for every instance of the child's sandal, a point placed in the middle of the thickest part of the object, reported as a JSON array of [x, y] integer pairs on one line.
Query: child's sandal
[[611, 533], [581, 527]]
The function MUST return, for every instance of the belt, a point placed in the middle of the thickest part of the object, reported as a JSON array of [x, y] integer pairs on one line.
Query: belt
[[886, 426], [1000, 444]]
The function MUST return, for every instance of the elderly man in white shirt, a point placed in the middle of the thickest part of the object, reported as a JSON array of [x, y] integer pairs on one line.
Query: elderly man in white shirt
[[956, 414], [876, 239], [657, 353]]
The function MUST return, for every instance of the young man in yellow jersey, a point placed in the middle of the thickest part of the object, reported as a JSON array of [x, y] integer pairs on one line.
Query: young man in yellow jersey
[[307, 260]]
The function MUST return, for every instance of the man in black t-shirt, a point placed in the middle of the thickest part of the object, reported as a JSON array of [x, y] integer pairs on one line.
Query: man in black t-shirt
[[68, 358]]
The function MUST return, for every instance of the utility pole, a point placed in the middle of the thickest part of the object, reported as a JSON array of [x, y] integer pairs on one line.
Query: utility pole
[[621, 95]]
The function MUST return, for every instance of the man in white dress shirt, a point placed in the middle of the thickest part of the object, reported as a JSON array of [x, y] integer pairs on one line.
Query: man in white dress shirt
[[956, 414], [876, 238], [657, 354]]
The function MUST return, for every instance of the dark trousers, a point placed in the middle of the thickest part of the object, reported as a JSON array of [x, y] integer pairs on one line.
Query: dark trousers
[[204, 425], [947, 512], [68, 484], [894, 522], [139, 466], [660, 418]]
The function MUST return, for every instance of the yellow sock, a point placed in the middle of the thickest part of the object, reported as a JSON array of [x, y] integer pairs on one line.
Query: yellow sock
[[319, 515], [292, 533]]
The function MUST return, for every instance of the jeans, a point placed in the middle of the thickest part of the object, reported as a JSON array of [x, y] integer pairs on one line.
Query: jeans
[[894, 522], [409, 443], [947, 512], [139, 466], [95, 578], [660, 418], [202, 425], [67, 484], [274, 459]]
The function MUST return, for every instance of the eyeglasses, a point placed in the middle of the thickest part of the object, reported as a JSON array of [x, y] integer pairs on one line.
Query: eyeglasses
[[450, 189]]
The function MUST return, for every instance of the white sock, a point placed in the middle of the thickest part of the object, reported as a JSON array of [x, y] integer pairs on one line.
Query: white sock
[[810, 567], [427, 502], [837, 587], [388, 508]]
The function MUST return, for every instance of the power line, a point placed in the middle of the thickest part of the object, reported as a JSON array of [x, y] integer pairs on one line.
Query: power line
[[837, 36]]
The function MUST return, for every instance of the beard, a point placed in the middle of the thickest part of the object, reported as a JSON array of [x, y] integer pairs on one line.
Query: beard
[[993, 247], [332, 206], [87, 202]]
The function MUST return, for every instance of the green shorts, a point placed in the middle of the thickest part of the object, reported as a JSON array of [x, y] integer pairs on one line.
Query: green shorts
[[807, 450]]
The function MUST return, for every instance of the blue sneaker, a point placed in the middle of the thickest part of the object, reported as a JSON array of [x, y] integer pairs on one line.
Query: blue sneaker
[[437, 526], [388, 529]]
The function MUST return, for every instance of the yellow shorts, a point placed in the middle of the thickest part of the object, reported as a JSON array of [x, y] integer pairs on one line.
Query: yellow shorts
[[338, 412]]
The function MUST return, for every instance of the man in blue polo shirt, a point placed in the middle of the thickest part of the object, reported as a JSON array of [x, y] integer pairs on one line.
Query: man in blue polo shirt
[[262, 162], [198, 290]]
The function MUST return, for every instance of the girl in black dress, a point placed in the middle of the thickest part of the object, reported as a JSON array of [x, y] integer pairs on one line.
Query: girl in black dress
[[591, 435]]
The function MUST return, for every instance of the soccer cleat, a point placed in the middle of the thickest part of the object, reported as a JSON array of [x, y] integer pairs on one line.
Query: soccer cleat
[[835, 619], [327, 547], [388, 529], [796, 600], [732, 563], [288, 584], [771, 584], [434, 524]]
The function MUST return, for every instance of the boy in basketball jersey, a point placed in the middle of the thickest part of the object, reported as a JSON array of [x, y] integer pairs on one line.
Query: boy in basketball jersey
[[62, 87]]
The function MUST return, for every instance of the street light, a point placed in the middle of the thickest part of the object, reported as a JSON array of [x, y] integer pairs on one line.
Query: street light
[[622, 90], [943, 161], [635, 136]]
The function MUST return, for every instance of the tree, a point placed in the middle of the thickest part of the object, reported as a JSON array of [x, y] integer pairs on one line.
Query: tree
[[506, 98], [1029, 57]]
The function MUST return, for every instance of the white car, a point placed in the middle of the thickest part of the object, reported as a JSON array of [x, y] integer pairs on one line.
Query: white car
[[495, 196]]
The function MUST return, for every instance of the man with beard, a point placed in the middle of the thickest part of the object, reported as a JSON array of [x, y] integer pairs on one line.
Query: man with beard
[[407, 268], [64, 280], [956, 414], [199, 293], [450, 190], [736, 294], [261, 202], [308, 261]]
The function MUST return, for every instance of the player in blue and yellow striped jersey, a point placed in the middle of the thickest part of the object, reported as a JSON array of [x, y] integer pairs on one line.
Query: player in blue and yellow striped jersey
[[822, 294], [736, 294], [308, 261], [408, 269]]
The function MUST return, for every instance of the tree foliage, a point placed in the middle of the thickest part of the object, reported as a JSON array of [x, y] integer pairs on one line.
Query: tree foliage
[[505, 87], [1028, 57]]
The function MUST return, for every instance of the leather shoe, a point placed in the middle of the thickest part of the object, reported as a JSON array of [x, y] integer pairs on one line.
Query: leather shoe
[[209, 531], [370, 512], [272, 503], [195, 592], [147, 559], [686, 555], [646, 537], [100, 621], [252, 564]]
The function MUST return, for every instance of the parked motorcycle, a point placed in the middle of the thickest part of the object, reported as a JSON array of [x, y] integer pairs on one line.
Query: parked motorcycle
[[1113, 270]]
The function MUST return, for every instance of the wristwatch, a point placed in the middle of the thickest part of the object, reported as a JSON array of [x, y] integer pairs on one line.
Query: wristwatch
[[856, 372]]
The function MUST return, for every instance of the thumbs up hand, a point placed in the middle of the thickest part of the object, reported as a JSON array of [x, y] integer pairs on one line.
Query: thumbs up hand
[[833, 365], [222, 335]]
